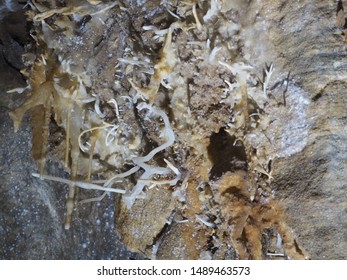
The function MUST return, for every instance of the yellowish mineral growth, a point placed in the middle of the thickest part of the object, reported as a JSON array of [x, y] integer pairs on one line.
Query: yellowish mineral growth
[[94, 8], [248, 219], [161, 70], [66, 94]]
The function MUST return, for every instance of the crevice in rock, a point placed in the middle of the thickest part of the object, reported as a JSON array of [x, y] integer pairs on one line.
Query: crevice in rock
[[226, 153]]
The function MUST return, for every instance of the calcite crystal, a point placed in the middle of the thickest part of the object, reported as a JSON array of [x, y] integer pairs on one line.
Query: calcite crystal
[[190, 111]]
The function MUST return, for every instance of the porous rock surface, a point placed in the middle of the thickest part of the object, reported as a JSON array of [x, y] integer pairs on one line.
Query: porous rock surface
[[299, 138]]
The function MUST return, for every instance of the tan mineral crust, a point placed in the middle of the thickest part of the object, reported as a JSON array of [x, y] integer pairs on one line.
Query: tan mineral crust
[[205, 129]]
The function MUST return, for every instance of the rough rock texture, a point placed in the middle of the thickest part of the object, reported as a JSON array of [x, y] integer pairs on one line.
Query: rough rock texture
[[305, 40], [32, 211], [261, 158]]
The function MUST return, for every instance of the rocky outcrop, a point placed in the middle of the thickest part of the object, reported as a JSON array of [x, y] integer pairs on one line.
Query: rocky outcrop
[[305, 40], [223, 122]]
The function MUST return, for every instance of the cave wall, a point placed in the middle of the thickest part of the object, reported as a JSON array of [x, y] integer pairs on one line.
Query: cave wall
[[303, 134]]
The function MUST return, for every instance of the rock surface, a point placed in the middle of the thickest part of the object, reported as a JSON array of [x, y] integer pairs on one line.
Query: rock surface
[[304, 39], [32, 211], [262, 174]]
